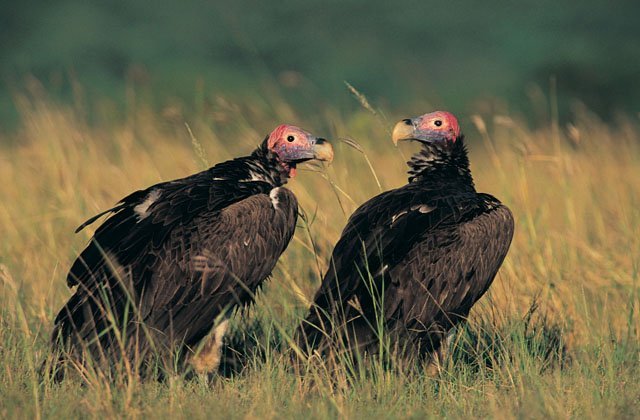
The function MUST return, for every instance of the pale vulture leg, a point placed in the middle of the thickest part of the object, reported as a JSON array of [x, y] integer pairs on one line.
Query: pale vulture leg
[[439, 358], [207, 359]]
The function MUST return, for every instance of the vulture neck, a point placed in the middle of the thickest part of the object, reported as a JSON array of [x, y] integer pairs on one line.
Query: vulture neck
[[266, 165], [442, 166]]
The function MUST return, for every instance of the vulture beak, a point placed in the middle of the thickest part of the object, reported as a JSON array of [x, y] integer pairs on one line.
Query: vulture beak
[[404, 130], [322, 150]]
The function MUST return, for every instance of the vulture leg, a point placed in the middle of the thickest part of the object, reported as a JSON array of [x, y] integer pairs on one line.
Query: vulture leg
[[439, 358], [207, 358]]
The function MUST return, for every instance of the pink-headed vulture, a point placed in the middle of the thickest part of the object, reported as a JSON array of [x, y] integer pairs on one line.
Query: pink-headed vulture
[[171, 261], [412, 262]]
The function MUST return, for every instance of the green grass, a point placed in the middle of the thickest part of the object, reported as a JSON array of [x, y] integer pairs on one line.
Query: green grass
[[556, 336]]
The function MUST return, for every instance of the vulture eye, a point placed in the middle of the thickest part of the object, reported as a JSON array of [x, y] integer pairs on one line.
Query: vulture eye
[[290, 138], [438, 123]]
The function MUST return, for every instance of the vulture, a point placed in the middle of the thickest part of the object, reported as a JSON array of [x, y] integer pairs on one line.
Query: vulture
[[163, 271], [411, 262]]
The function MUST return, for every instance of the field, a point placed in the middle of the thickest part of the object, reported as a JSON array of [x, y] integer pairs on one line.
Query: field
[[557, 335]]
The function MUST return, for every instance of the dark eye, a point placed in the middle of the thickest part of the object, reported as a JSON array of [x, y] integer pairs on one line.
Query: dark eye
[[290, 138], [438, 123]]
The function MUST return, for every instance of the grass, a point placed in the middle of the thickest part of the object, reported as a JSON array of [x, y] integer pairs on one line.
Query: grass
[[556, 336]]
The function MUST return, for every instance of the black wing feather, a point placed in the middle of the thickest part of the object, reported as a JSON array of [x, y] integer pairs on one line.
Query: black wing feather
[[127, 237], [408, 242], [144, 251]]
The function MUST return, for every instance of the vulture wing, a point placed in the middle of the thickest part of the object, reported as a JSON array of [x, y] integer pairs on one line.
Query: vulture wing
[[215, 263], [181, 251], [383, 237], [143, 219]]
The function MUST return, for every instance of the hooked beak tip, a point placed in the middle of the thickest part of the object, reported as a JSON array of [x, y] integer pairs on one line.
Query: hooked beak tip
[[323, 150], [403, 130]]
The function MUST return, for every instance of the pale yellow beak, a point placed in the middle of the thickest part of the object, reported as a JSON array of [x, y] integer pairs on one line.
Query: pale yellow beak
[[402, 131], [323, 150]]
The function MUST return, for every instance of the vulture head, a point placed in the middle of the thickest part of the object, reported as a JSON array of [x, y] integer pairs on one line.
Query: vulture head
[[293, 145], [435, 128]]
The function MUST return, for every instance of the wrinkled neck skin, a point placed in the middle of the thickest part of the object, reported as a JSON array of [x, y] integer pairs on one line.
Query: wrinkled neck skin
[[265, 164], [440, 165]]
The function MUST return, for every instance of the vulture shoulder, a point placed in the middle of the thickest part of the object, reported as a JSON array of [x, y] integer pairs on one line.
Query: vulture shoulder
[[381, 233], [142, 221], [217, 261]]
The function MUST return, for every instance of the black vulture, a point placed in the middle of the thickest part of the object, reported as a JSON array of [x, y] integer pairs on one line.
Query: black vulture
[[412, 261], [171, 261]]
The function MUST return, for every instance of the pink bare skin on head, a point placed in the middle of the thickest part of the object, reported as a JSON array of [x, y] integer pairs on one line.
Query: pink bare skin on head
[[279, 136], [441, 121], [294, 145], [433, 127]]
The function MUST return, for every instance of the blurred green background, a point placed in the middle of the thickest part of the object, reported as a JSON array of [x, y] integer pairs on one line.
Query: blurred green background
[[459, 55]]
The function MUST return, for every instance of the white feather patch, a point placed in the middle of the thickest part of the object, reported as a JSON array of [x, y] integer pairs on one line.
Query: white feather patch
[[273, 195], [396, 216], [142, 209], [423, 208], [256, 176]]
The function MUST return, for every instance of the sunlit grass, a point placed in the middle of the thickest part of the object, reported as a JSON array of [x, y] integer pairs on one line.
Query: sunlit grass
[[574, 191]]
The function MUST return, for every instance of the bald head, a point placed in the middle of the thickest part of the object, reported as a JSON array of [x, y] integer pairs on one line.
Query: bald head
[[293, 145], [438, 126]]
